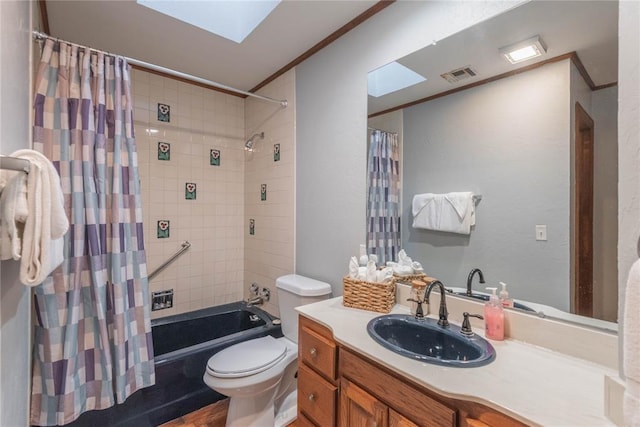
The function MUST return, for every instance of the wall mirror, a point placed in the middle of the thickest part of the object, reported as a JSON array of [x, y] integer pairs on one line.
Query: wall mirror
[[519, 135]]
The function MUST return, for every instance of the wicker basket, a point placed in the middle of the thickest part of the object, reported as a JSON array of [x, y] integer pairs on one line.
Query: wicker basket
[[369, 296], [409, 277]]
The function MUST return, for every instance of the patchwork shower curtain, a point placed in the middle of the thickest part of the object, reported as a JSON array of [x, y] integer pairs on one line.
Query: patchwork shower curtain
[[93, 332], [383, 196]]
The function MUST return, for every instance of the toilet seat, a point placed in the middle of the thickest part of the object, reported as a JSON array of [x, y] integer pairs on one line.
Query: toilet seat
[[247, 358]]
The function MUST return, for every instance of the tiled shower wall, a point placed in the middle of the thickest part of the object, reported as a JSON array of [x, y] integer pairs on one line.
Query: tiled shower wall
[[174, 155], [269, 244]]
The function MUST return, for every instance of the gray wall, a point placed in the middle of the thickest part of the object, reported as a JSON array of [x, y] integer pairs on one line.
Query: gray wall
[[508, 141], [15, 331], [331, 121]]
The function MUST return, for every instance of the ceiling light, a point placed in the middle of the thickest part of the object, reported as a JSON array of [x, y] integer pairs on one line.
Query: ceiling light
[[524, 50], [233, 20], [390, 78]]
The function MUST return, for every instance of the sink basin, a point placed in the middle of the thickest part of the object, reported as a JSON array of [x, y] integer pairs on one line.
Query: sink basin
[[486, 298], [425, 340]]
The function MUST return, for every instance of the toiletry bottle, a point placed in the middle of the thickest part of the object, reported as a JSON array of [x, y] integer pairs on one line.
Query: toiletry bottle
[[364, 259], [494, 317], [504, 296]]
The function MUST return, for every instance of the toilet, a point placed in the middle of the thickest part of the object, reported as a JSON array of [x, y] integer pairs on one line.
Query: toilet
[[259, 375]]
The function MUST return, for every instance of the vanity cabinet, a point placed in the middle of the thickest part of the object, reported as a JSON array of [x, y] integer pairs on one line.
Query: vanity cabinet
[[339, 387], [317, 375]]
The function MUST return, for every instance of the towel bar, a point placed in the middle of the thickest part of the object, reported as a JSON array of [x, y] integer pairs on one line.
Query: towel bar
[[15, 164]]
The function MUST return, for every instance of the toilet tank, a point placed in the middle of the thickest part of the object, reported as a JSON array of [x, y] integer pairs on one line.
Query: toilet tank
[[293, 291]]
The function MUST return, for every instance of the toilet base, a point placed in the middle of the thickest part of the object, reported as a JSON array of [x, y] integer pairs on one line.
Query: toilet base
[[256, 410], [288, 410]]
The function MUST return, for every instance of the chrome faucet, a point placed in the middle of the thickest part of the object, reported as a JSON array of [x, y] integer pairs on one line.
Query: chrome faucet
[[256, 299], [442, 313], [470, 279]]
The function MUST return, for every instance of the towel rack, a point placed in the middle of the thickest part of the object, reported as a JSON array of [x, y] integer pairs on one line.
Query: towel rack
[[15, 164], [476, 198], [185, 245]]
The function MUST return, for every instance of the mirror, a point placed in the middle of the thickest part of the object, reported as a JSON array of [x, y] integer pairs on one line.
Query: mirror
[[513, 134]]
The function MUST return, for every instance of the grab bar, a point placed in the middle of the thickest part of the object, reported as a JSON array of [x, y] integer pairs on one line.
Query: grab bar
[[185, 245]]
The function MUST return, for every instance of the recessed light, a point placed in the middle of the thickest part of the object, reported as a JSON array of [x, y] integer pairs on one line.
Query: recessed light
[[390, 78], [524, 50]]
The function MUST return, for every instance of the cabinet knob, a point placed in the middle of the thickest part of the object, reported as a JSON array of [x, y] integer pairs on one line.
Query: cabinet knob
[[312, 397], [313, 352]]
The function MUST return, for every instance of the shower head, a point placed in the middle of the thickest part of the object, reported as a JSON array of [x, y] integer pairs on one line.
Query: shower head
[[251, 142]]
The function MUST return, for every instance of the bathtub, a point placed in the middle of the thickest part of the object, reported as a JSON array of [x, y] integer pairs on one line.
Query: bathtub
[[182, 345]]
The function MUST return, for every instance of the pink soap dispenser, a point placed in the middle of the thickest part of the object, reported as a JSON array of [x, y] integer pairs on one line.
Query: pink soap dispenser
[[494, 317]]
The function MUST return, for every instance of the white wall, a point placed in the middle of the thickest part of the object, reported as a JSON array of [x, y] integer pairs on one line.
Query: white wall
[[15, 45], [604, 111], [331, 96], [507, 141], [628, 145]]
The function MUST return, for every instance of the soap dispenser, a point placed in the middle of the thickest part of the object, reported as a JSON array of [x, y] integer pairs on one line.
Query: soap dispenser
[[504, 296], [494, 317]]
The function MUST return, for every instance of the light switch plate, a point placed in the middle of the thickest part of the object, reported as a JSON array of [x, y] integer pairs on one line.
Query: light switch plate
[[541, 232]]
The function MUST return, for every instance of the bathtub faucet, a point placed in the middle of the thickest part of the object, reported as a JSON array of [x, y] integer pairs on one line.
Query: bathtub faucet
[[264, 295]]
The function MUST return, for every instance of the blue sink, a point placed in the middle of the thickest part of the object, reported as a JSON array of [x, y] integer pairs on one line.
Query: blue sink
[[425, 340]]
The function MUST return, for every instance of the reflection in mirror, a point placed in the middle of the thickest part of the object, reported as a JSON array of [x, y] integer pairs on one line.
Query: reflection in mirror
[[537, 139]]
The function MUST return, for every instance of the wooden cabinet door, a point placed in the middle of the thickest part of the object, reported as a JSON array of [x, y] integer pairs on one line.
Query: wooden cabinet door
[[398, 420], [360, 409]]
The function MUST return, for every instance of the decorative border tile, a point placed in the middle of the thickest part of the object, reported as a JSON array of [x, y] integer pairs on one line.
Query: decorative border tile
[[164, 151], [252, 227], [190, 190], [163, 228], [263, 192], [276, 152], [164, 113], [214, 157]]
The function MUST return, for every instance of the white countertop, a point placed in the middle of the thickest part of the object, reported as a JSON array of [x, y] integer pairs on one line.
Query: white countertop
[[529, 383]]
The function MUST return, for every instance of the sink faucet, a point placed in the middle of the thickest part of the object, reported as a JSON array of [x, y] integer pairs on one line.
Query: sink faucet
[[442, 313], [470, 279]]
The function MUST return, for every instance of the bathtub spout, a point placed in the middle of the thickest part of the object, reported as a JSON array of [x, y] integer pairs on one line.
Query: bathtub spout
[[255, 301]]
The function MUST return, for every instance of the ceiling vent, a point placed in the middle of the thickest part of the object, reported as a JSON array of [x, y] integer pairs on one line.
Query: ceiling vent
[[455, 76]]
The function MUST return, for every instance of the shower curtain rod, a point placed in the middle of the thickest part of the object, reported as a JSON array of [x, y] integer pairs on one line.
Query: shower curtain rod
[[37, 35], [380, 130]]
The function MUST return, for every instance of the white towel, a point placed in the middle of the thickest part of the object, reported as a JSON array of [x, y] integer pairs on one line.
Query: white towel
[[45, 223], [450, 212], [631, 350]]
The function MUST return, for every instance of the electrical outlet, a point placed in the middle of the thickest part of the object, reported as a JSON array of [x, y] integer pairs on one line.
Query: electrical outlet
[[161, 300]]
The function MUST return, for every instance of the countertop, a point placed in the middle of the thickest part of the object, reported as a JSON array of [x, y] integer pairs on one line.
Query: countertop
[[532, 384]]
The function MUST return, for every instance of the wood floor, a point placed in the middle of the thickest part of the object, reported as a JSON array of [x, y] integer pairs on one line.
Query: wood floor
[[213, 415]]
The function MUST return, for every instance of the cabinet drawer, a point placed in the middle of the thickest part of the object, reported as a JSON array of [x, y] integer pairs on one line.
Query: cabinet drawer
[[303, 421], [316, 397], [317, 352]]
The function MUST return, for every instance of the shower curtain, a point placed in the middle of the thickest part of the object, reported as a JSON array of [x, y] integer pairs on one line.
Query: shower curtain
[[383, 196], [92, 342]]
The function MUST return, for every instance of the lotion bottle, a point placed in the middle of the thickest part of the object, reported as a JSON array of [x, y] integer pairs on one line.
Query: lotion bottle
[[494, 317], [504, 296]]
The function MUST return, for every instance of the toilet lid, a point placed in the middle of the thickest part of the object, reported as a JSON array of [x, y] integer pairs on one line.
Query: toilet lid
[[247, 358]]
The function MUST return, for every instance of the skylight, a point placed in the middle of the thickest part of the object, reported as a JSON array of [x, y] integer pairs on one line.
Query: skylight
[[390, 78], [231, 19]]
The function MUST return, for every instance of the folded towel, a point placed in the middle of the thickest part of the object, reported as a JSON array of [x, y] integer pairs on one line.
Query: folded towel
[[450, 212], [45, 223], [631, 350]]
